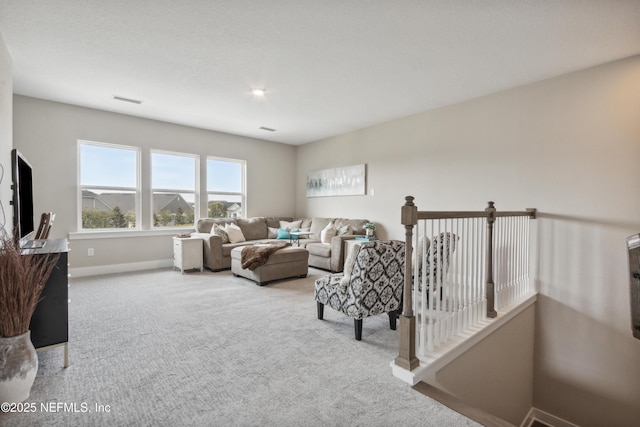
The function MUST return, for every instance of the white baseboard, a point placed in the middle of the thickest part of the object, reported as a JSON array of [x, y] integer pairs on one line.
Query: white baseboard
[[119, 268], [545, 418]]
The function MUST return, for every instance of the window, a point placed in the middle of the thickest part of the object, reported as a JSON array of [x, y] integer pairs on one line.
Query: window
[[109, 186], [173, 194], [225, 188]]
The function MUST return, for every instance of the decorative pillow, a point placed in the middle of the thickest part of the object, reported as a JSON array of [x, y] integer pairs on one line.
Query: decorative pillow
[[290, 225], [348, 265], [286, 234], [220, 231], [423, 246], [235, 234], [283, 234], [327, 233], [273, 233], [344, 230]]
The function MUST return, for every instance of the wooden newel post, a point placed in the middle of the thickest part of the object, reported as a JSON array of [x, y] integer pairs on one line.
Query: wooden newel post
[[491, 287], [407, 353]]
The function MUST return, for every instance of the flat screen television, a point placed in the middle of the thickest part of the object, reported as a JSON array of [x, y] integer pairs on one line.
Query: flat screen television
[[22, 175]]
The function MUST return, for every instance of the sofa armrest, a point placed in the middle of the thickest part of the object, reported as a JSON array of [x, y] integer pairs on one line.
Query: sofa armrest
[[338, 251], [212, 250]]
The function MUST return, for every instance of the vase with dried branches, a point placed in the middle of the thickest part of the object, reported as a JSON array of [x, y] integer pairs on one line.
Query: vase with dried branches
[[22, 279]]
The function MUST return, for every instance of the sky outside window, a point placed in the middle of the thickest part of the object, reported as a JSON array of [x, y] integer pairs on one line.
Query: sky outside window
[[224, 176], [171, 172], [100, 162]]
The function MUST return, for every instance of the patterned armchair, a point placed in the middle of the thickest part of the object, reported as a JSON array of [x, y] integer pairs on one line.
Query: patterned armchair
[[371, 283], [439, 252]]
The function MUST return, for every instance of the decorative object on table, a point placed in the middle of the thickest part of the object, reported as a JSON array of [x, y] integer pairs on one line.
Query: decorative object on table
[[370, 229], [22, 279], [344, 181]]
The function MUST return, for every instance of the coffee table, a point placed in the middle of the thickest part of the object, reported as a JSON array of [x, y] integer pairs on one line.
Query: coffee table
[[298, 234]]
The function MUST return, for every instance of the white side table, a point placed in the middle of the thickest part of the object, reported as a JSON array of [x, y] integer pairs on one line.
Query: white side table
[[187, 253]]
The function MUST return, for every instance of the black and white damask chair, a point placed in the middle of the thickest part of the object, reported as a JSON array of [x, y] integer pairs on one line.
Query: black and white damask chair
[[371, 283], [435, 258]]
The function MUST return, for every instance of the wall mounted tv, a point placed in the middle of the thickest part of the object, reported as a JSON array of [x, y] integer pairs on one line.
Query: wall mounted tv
[[22, 175]]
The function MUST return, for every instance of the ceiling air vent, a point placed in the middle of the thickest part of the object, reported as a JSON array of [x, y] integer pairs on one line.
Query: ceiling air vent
[[267, 129], [121, 98]]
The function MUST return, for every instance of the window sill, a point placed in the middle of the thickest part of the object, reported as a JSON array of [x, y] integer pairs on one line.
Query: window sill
[[124, 234]]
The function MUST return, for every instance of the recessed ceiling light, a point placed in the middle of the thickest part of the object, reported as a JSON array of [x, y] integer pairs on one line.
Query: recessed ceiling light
[[122, 98], [259, 91]]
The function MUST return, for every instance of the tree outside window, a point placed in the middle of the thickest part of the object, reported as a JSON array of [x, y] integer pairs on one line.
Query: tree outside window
[[173, 181], [109, 186], [225, 188]]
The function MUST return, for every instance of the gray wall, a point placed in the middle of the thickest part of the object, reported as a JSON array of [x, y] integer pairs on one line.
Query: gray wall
[[6, 139], [47, 133], [499, 383], [568, 146]]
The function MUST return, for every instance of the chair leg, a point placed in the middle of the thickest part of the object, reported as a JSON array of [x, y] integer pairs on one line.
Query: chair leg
[[393, 315], [358, 325], [320, 307]]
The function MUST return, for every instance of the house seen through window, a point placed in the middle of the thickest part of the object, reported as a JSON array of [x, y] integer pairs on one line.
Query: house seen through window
[[225, 188], [111, 191], [109, 185], [173, 181]]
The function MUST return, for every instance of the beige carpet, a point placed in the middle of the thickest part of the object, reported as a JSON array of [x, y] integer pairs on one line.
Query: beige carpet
[[159, 348]]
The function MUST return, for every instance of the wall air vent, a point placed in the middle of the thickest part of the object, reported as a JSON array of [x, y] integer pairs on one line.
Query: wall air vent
[[267, 129], [121, 98]]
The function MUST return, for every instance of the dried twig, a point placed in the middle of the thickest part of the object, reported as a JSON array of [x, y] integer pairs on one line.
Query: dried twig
[[22, 279]]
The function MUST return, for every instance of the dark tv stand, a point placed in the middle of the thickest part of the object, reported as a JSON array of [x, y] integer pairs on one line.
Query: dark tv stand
[[33, 244], [50, 322]]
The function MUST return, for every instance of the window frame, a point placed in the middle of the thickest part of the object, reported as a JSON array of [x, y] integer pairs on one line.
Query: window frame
[[195, 191], [137, 190], [243, 184]]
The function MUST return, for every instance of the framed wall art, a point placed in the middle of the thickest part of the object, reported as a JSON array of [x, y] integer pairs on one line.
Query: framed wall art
[[343, 181]]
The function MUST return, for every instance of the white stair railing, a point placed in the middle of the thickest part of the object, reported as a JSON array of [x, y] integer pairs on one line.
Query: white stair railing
[[466, 266]]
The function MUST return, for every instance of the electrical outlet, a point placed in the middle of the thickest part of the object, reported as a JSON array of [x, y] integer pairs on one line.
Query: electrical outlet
[[90, 251]]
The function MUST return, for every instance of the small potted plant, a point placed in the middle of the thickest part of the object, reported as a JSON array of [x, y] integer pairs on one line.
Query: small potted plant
[[370, 228], [22, 279]]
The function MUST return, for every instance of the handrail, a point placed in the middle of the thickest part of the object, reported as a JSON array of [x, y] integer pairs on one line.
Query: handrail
[[409, 218], [472, 214]]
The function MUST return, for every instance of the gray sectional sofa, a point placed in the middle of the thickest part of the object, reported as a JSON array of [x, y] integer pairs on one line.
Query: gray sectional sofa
[[328, 256]]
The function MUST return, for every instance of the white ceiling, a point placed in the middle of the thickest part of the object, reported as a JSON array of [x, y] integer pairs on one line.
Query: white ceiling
[[329, 66]]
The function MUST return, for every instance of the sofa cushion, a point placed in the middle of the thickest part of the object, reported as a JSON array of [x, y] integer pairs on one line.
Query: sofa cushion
[[304, 242], [254, 228], [306, 223], [317, 225], [284, 234], [319, 249], [219, 230], [204, 225], [348, 265], [328, 233], [290, 225], [235, 233], [344, 230], [274, 221], [357, 225], [227, 248], [272, 233]]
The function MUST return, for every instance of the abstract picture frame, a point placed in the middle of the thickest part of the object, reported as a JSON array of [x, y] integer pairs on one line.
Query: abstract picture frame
[[340, 181]]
